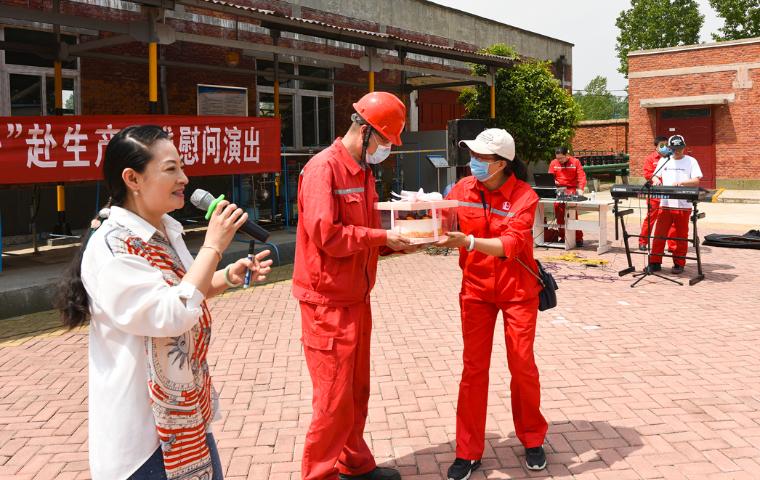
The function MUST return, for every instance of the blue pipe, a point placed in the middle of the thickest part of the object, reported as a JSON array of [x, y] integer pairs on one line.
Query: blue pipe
[[286, 185]]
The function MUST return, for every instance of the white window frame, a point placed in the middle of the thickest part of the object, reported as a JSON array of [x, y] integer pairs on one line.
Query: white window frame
[[297, 93], [7, 70]]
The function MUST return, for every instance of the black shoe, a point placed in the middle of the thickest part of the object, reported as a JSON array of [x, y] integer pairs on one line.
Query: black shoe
[[643, 248], [653, 267], [379, 473], [535, 458], [461, 469], [579, 243], [676, 269]]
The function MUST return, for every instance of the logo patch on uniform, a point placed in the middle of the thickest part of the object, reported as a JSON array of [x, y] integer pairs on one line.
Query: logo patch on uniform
[[505, 206]]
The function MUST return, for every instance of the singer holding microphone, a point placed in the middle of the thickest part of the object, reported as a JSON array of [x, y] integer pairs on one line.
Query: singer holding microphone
[[151, 400]]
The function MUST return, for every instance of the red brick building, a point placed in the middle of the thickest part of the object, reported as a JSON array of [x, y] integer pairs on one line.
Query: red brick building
[[601, 136], [708, 93]]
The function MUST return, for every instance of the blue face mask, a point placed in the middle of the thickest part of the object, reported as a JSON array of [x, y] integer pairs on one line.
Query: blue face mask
[[664, 151], [479, 169]]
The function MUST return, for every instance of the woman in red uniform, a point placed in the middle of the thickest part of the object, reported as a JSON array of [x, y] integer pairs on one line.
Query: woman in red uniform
[[496, 256]]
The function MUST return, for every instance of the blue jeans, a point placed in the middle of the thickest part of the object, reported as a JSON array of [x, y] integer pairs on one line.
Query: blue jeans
[[153, 468]]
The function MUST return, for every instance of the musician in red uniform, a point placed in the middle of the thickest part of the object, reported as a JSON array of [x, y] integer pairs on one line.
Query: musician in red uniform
[[496, 212], [650, 163], [568, 172]]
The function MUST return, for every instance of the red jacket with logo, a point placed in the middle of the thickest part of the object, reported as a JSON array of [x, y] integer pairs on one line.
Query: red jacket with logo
[[339, 236], [650, 163], [508, 215], [570, 174]]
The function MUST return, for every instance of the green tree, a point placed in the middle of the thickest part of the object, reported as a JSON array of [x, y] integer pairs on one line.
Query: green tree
[[741, 19], [621, 107], [597, 103], [69, 103], [656, 24], [530, 104]]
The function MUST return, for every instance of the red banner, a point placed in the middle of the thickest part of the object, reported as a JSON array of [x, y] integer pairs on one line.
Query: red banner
[[71, 148]]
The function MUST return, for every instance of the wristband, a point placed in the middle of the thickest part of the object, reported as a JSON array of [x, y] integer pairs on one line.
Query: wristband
[[227, 277], [471, 246]]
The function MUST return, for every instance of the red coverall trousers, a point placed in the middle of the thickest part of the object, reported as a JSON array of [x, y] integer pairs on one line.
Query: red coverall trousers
[[671, 222], [478, 323], [559, 213], [336, 344], [647, 226]]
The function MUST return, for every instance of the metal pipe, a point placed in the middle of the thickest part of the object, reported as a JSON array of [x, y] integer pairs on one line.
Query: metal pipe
[[493, 100], [58, 86], [371, 81], [276, 58], [492, 82], [153, 77]]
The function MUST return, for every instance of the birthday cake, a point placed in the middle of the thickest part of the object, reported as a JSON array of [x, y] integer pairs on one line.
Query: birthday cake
[[419, 227]]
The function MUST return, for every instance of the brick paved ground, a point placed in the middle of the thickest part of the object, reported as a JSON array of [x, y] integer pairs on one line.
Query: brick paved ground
[[673, 393]]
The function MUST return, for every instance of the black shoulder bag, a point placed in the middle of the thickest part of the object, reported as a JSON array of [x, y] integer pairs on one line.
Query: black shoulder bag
[[547, 298]]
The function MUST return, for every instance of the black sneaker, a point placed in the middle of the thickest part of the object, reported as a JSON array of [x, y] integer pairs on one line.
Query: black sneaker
[[535, 458], [579, 243], [676, 269], [379, 473], [643, 248], [461, 469], [653, 267]]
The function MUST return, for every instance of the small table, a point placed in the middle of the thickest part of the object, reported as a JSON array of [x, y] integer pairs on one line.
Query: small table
[[571, 224]]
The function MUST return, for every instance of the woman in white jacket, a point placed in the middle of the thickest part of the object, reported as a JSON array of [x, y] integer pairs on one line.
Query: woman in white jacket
[[151, 401]]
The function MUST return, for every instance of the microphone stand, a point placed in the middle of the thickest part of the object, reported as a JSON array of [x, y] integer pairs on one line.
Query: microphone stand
[[647, 271]]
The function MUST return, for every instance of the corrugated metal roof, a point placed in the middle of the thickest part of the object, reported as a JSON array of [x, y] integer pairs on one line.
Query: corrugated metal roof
[[319, 28]]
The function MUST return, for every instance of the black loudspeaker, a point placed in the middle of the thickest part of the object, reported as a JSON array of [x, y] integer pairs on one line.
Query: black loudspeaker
[[461, 129]]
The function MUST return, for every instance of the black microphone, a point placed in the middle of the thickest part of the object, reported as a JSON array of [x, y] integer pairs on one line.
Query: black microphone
[[663, 165], [207, 203], [650, 183]]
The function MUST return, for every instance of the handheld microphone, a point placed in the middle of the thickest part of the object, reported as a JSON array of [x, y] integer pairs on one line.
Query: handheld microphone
[[206, 202]]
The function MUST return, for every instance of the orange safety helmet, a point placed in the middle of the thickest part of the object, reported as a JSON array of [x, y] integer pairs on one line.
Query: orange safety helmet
[[385, 112]]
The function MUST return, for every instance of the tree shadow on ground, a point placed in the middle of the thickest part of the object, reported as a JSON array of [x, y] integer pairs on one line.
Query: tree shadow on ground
[[572, 447]]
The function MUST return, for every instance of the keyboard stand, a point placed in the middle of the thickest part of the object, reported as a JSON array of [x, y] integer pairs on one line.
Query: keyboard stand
[[694, 240]]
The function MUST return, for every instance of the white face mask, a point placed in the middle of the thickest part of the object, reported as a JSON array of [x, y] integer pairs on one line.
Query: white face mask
[[381, 153]]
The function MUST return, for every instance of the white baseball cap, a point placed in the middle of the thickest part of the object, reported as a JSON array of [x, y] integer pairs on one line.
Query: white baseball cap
[[492, 141]]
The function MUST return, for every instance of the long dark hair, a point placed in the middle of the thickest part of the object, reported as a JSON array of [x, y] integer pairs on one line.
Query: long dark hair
[[130, 148], [517, 168]]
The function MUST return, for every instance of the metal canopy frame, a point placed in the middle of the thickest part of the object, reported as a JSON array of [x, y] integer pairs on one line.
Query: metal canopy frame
[[162, 33]]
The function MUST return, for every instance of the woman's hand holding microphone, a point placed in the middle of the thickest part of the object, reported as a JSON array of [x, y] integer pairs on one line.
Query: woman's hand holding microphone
[[224, 223]]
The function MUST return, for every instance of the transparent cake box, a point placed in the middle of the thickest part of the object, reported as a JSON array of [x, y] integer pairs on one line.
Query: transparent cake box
[[420, 221]]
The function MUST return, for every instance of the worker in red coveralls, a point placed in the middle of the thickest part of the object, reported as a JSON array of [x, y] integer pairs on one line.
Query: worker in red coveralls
[[568, 172], [650, 163], [338, 241], [495, 214]]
